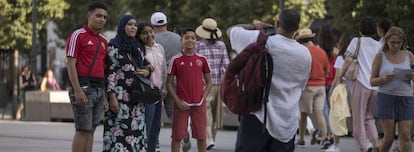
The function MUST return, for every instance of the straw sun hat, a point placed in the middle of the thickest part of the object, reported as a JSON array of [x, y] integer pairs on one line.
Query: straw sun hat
[[208, 29], [305, 33]]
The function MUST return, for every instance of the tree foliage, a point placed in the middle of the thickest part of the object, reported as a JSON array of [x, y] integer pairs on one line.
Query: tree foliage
[[75, 16], [16, 21], [190, 13], [347, 13], [16, 15]]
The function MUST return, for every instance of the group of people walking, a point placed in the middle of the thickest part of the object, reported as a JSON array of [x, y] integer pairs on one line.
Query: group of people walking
[[381, 90], [189, 71]]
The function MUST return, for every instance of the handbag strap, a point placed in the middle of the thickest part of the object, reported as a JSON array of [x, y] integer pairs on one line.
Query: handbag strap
[[357, 48], [134, 63], [356, 57], [94, 58]]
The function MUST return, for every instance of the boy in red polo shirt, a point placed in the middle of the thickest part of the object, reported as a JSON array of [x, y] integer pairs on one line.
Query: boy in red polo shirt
[[189, 68]]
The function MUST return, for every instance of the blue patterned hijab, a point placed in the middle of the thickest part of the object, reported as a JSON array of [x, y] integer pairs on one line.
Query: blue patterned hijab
[[128, 44]]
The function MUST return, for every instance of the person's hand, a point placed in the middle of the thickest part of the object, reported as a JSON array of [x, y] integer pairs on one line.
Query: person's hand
[[162, 97], [410, 76], [182, 106], [80, 98], [143, 72], [113, 104], [106, 104], [262, 25], [330, 91], [386, 78]]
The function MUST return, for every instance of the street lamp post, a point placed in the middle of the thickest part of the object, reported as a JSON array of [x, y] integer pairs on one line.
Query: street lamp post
[[34, 37]]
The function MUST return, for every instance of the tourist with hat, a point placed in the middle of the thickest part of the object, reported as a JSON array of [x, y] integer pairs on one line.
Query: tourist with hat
[[215, 51], [311, 102], [172, 46]]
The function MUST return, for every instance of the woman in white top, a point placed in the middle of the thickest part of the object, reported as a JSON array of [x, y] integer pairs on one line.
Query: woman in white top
[[363, 95]]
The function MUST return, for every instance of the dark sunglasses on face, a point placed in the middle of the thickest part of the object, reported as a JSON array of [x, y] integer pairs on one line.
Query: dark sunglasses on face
[[394, 42]]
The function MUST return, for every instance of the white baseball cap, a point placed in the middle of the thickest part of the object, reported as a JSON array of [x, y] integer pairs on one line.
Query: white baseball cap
[[158, 19]]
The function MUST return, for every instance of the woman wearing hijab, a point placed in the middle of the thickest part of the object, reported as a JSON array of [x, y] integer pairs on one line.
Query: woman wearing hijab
[[124, 125]]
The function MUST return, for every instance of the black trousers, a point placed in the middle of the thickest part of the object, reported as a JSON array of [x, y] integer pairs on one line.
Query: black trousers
[[252, 136]]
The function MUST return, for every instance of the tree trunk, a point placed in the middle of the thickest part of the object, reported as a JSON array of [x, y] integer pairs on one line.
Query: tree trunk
[[14, 64]]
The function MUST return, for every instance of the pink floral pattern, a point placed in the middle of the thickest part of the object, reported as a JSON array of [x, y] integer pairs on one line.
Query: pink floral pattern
[[123, 131]]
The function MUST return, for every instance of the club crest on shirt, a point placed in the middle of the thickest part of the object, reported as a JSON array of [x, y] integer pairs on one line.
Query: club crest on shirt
[[199, 63]]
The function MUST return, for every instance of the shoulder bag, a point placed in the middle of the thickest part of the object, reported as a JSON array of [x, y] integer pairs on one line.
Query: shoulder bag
[[351, 72], [142, 88]]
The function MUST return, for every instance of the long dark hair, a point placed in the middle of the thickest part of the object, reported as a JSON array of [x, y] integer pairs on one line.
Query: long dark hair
[[140, 28], [343, 42], [326, 40]]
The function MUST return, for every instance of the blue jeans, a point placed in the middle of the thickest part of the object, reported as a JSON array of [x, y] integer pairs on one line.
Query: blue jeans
[[153, 122], [326, 108]]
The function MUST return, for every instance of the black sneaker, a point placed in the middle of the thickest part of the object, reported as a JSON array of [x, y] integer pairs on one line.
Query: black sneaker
[[314, 138], [373, 149], [326, 143]]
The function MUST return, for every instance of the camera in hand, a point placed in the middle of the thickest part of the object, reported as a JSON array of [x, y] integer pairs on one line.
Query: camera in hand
[[270, 31]]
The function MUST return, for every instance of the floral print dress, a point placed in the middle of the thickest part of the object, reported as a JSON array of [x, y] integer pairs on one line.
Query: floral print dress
[[123, 131]]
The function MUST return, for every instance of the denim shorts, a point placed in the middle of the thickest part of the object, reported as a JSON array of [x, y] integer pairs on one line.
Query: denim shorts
[[394, 107], [87, 117]]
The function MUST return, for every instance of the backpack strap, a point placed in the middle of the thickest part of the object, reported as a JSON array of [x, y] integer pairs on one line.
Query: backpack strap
[[262, 39]]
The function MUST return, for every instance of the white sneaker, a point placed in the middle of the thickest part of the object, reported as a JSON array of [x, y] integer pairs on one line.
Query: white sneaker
[[210, 143], [333, 148], [369, 145]]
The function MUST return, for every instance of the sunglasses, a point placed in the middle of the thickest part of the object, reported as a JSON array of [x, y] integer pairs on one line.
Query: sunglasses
[[394, 42]]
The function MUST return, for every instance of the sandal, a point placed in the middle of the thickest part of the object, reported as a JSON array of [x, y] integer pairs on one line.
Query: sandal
[[314, 138], [376, 149]]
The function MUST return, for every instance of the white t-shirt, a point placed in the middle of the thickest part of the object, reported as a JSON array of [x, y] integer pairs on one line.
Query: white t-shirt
[[291, 69], [367, 51], [339, 62]]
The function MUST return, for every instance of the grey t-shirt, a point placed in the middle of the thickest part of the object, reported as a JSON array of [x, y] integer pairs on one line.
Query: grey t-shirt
[[171, 43]]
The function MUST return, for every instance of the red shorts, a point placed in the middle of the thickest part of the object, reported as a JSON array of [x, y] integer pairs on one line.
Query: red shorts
[[198, 122]]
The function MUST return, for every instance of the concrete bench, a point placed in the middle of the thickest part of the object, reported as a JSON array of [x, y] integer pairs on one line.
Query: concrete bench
[[48, 105]]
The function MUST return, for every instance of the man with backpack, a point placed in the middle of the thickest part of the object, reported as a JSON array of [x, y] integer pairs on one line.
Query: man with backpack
[[291, 68]]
